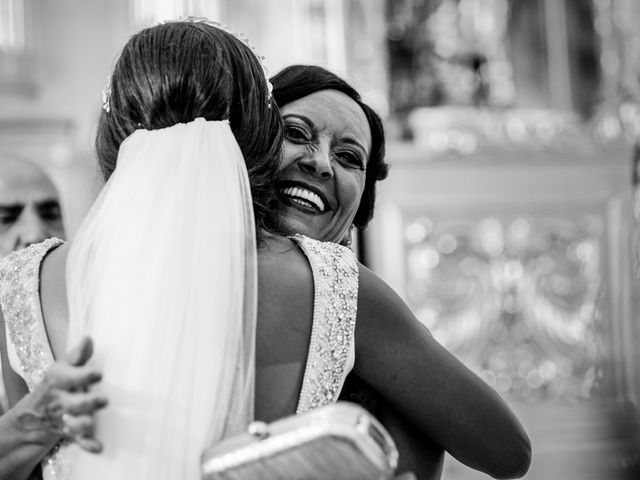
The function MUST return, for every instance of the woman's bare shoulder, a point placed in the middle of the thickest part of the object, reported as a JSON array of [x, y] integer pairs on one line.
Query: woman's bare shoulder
[[379, 305], [53, 298], [284, 274], [279, 254], [54, 262]]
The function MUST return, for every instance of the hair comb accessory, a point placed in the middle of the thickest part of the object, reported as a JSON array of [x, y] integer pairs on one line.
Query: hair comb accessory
[[106, 95]]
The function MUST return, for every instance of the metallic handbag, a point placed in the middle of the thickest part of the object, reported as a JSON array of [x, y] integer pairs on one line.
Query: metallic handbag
[[341, 441]]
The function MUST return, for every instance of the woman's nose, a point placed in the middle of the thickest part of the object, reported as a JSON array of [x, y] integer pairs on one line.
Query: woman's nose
[[317, 162], [30, 228]]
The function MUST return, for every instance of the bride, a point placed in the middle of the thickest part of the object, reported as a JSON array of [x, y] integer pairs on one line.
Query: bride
[[164, 274]]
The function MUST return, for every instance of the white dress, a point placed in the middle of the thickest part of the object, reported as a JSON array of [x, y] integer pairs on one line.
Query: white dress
[[331, 349]]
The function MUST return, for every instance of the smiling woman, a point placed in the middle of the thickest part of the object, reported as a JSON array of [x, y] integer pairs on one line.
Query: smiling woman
[[324, 164], [333, 154]]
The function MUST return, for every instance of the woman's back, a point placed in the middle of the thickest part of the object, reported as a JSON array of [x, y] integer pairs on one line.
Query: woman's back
[[285, 312], [285, 319], [284, 381]]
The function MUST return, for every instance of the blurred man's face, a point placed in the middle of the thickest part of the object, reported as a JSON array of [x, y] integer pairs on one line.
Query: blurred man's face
[[29, 206]]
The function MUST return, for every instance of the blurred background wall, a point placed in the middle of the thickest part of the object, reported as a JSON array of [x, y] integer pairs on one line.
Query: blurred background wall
[[509, 222]]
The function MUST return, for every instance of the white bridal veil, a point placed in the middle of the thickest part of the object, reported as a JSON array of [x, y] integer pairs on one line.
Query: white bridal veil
[[162, 275]]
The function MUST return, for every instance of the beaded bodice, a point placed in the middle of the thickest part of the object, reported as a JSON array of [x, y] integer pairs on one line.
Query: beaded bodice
[[331, 348], [28, 347], [27, 343]]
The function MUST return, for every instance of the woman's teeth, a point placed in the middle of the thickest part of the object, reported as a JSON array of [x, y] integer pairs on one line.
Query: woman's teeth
[[304, 197]]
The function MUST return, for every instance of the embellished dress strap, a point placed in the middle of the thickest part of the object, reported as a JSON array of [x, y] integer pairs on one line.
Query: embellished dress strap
[[28, 346], [332, 346]]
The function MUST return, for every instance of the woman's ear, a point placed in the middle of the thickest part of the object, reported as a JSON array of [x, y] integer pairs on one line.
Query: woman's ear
[[348, 239]]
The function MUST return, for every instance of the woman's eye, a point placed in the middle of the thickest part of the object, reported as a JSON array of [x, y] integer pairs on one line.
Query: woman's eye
[[351, 158], [296, 134], [49, 210], [9, 216]]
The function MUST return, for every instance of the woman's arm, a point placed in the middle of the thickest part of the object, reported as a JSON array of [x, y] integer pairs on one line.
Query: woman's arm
[[61, 405], [428, 385]]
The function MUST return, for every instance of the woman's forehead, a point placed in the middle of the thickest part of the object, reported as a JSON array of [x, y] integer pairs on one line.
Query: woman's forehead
[[21, 179]]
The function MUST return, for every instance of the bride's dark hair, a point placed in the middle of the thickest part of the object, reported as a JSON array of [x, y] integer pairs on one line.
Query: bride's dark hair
[[178, 71]]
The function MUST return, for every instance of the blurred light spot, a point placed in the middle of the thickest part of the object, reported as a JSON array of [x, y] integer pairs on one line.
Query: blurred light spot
[[419, 229], [628, 111], [520, 228], [416, 232], [513, 270], [491, 236], [503, 383], [548, 369], [584, 252], [428, 258], [438, 141], [447, 243], [465, 144], [498, 361], [610, 127], [515, 128], [534, 379]]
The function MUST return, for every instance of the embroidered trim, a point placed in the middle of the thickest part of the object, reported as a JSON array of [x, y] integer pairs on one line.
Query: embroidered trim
[[20, 300], [335, 274]]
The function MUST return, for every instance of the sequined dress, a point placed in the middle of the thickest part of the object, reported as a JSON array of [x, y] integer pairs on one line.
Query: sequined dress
[[331, 349]]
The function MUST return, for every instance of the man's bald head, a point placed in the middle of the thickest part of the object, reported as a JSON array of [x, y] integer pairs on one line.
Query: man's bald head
[[29, 205]]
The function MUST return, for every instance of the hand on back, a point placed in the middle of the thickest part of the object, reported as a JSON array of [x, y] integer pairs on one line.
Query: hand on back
[[63, 404]]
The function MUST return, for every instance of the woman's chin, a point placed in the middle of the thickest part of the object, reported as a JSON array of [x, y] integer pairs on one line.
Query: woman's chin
[[294, 226], [294, 221]]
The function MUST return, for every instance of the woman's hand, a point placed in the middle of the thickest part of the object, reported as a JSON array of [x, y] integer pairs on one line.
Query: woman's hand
[[62, 405]]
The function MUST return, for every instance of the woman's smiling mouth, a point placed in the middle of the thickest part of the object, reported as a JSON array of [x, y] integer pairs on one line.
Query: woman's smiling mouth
[[304, 197]]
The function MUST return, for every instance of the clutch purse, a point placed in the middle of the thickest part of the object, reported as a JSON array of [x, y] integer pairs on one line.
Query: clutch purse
[[341, 441]]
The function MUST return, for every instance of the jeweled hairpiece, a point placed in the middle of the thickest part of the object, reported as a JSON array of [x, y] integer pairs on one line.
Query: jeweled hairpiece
[[106, 92], [106, 95]]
